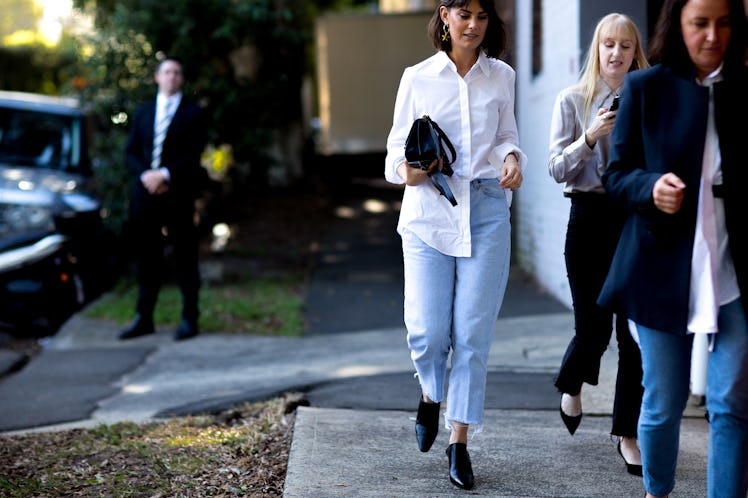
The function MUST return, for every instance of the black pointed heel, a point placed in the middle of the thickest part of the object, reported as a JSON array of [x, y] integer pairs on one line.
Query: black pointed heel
[[570, 422], [631, 468], [460, 468], [427, 424]]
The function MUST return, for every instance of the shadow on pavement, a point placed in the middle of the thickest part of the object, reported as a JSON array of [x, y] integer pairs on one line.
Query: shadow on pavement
[[357, 277]]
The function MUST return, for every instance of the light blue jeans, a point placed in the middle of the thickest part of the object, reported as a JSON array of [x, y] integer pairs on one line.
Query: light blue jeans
[[666, 361], [452, 303]]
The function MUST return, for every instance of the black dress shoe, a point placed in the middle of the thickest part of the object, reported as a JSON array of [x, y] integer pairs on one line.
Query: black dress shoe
[[427, 424], [460, 468], [631, 468], [186, 330], [570, 422], [139, 327]]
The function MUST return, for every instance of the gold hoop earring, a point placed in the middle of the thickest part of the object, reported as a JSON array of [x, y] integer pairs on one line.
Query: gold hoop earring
[[445, 34]]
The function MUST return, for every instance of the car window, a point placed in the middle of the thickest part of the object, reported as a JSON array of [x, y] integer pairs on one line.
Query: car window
[[40, 139]]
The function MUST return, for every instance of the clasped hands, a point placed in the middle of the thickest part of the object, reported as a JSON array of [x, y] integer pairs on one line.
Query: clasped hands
[[154, 181]]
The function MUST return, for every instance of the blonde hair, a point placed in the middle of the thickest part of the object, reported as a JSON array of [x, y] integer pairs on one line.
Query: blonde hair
[[615, 25]]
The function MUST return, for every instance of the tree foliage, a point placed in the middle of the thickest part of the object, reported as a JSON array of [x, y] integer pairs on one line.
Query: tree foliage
[[244, 62], [211, 37]]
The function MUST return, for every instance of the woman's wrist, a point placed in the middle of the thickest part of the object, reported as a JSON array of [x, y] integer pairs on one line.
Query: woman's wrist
[[590, 143]]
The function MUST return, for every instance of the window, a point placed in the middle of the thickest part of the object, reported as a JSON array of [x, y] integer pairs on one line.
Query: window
[[537, 37], [38, 139]]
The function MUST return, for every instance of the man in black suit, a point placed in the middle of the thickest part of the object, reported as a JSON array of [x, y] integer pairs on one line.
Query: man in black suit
[[166, 139]]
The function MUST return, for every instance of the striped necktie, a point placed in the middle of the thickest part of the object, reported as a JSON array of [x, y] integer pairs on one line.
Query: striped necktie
[[159, 134]]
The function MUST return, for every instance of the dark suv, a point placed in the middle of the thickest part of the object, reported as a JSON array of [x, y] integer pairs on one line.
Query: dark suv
[[53, 249]]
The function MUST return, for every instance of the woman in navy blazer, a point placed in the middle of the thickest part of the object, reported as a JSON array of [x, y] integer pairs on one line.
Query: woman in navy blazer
[[678, 164]]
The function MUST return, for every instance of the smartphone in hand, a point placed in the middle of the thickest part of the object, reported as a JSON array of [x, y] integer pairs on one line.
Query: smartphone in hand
[[616, 102]]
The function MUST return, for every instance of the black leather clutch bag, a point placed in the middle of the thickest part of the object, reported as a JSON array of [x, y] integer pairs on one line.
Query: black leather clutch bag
[[426, 143]]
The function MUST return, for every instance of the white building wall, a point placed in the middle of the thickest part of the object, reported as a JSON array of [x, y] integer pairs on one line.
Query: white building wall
[[540, 212]]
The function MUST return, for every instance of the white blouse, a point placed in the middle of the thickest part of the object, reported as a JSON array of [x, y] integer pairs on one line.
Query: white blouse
[[713, 279], [477, 114]]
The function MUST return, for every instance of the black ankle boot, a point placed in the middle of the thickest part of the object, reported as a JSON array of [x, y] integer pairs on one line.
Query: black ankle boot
[[460, 468], [427, 424]]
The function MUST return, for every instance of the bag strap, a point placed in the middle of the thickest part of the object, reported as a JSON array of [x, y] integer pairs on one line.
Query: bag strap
[[445, 140], [437, 178]]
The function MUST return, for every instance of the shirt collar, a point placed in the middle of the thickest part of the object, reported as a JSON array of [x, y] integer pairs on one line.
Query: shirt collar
[[604, 88], [603, 85], [713, 77], [161, 100], [483, 62], [442, 62]]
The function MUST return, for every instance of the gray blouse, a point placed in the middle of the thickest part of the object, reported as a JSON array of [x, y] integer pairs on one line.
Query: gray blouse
[[571, 160]]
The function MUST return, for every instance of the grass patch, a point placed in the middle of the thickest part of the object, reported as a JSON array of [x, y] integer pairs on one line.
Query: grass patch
[[261, 306], [242, 452]]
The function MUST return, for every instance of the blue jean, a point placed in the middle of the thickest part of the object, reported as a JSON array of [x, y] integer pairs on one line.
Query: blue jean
[[452, 303], [666, 361]]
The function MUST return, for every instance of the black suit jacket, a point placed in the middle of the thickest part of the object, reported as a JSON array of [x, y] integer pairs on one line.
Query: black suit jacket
[[185, 140], [661, 127]]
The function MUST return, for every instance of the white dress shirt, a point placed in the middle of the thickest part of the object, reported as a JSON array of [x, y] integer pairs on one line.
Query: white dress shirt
[[161, 101], [713, 279], [477, 114]]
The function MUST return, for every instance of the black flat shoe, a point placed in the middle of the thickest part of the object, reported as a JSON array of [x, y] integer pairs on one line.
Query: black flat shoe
[[186, 330], [460, 468], [570, 422], [427, 424], [631, 468], [139, 327]]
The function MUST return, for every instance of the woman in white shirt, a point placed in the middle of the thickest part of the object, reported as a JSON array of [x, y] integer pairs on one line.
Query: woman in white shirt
[[580, 139], [456, 258]]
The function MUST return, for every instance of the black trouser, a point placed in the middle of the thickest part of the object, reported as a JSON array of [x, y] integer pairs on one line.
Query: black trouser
[[592, 235], [149, 222]]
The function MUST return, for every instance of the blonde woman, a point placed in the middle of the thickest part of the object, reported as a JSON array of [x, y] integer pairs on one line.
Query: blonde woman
[[583, 118]]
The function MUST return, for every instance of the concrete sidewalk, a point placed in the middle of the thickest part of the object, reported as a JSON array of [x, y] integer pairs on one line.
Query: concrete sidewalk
[[524, 449], [338, 453], [356, 438]]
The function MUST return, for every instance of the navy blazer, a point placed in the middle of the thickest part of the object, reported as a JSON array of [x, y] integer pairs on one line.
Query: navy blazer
[[184, 143], [661, 127]]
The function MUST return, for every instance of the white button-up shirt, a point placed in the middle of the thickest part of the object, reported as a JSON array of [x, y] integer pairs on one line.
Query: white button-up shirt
[[713, 279], [477, 114], [161, 100]]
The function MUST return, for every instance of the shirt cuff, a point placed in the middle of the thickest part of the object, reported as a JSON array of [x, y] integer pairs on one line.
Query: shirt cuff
[[165, 172]]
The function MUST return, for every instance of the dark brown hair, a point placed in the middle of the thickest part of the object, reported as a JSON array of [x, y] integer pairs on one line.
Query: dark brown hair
[[494, 41], [667, 46]]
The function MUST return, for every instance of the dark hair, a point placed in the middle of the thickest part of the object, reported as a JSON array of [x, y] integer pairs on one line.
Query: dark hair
[[668, 48], [169, 58], [494, 41]]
